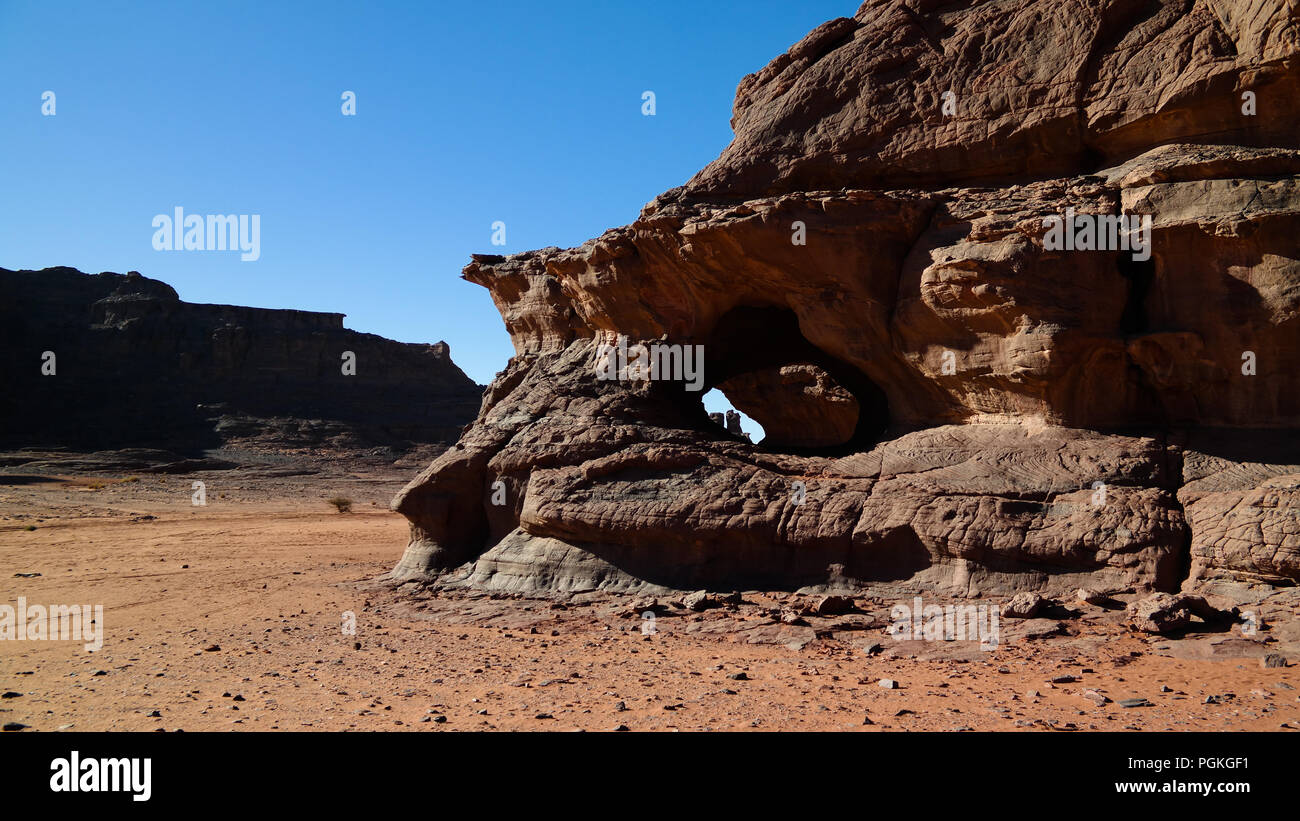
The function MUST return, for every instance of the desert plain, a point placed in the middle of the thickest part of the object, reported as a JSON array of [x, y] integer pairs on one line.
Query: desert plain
[[233, 616]]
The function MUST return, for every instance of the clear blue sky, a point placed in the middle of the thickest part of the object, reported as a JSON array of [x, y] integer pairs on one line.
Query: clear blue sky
[[467, 113]]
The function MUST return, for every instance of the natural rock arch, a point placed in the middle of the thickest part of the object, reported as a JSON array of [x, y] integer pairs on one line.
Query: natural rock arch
[[761, 361]]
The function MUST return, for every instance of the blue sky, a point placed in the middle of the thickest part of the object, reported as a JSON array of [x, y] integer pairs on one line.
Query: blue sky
[[524, 112]]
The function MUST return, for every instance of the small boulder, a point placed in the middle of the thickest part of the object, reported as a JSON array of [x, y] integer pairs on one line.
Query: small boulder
[[699, 600], [1022, 606], [832, 605], [789, 616], [704, 600], [1095, 697], [1167, 613], [1089, 596]]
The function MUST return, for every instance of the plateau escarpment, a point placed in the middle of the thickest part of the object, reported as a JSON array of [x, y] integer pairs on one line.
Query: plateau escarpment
[[956, 396], [113, 361]]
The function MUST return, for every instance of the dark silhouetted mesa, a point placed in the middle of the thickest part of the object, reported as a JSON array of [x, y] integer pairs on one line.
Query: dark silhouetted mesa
[[134, 366]]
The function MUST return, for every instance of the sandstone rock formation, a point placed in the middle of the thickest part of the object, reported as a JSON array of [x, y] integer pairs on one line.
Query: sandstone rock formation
[[730, 422], [135, 366], [955, 400]]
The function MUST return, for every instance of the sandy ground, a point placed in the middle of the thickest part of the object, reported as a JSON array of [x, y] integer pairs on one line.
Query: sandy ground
[[230, 616]]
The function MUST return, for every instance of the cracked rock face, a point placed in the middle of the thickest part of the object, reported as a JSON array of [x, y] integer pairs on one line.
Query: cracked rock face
[[954, 399]]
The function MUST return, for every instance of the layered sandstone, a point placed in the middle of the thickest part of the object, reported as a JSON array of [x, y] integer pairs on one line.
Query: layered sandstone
[[953, 400]]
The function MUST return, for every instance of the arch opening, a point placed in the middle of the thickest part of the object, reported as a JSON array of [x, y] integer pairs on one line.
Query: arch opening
[[805, 400]]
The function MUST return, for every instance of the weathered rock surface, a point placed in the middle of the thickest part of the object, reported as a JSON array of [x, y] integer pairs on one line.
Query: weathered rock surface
[[802, 406], [134, 365], [1166, 613], [1040, 89], [1022, 606], [953, 400]]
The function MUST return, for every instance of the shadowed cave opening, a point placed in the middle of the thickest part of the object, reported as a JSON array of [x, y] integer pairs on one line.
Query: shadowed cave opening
[[806, 400], [1140, 275]]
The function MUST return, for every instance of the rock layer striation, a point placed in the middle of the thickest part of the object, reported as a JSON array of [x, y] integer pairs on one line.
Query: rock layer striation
[[954, 399]]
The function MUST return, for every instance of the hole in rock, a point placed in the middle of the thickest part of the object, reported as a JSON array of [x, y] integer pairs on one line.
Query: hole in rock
[[802, 399], [723, 414], [1140, 275]]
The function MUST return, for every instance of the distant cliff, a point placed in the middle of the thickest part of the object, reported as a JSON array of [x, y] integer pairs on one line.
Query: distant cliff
[[133, 365]]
